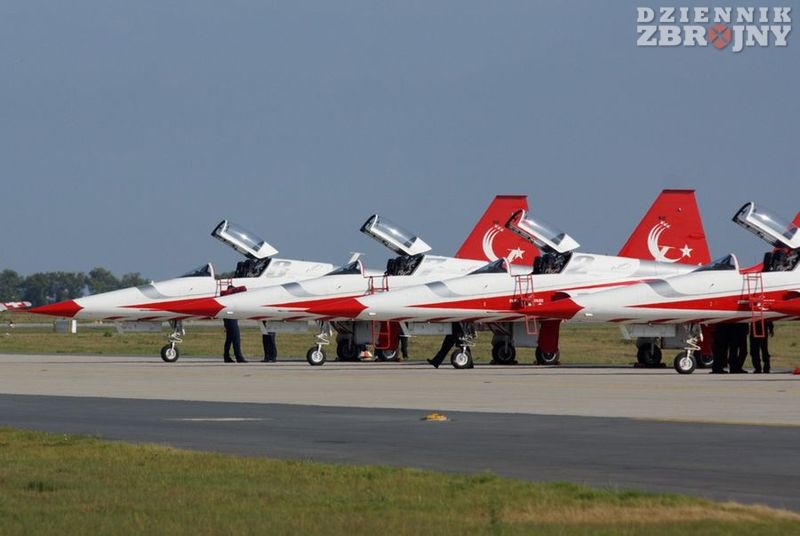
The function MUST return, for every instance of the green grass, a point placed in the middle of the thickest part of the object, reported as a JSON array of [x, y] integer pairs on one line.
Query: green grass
[[579, 344], [64, 484]]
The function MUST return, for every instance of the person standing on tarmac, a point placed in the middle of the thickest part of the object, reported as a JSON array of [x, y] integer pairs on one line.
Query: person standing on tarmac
[[232, 335], [720, 349], [270, 349], [738, 348], [759, 347], [233, 338]]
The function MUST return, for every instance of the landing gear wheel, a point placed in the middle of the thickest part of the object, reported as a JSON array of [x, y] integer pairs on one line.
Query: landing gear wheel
[[649, 355], [547, 358], [315, 356], [170, 353], [705, 361], [347, 351], [684, 363], [385, 355], [462, 359], [504, 354]]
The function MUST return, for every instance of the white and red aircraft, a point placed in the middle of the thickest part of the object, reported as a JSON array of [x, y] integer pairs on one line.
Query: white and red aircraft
[[719, 292], [668, 242], [13, 306], [167, 300], [292, 302]]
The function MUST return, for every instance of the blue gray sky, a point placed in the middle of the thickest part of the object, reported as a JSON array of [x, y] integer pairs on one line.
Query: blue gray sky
[[129, 129]]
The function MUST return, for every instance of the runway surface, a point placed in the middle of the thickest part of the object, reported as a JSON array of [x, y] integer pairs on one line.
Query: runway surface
[[605, 427]]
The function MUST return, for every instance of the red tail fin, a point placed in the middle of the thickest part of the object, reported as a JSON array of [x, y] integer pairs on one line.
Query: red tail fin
[[671, 231], [490, 240]]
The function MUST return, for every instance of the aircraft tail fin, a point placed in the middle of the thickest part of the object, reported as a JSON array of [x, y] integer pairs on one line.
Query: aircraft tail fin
[[671, 231], [490, 240]]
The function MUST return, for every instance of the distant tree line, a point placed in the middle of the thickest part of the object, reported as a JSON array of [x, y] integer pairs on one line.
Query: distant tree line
[[49, 287]]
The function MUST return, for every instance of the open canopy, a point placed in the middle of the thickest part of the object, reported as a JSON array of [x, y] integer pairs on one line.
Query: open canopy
[[245, 242], [394, 237], [541, 234], [774, 229]]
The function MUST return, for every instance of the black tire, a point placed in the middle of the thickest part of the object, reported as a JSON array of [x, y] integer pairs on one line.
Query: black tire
[[504, 354], [684, 364], [705, 361], [315, 357], [649, 355], [170, 353], [346, 350], [547, 358], [386, 355], [462, 359]]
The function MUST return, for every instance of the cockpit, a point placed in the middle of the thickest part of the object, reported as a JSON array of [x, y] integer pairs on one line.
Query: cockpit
[[251, 267], [494, 267], [728, 262], [394, 237], [777, 231], [351, 268], [206, 270]]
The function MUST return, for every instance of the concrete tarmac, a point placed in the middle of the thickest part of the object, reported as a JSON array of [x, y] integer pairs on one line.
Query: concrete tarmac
[[722, 437], [583, 391]]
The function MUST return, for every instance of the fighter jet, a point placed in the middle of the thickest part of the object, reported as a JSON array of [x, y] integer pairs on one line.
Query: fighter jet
[[291, 302], [168, 300], [668, 242], [718, 292]]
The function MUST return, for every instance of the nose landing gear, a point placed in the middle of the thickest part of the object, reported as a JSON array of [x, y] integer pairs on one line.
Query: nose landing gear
[[316, 355], [686, 362], [169, 352]]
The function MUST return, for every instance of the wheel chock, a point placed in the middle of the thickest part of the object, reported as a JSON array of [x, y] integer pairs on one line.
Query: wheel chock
[[436, 417]]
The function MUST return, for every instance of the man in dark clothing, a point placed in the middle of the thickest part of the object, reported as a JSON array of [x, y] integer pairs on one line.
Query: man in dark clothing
[[720, 349], [233, 337], [404, 346], [447, 344], [270, 349], [759, 346], [738, 348]]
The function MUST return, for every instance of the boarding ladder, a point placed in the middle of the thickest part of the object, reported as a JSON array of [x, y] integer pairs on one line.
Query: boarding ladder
[[756, 298], [373, 286], [523, 299], [222, 286]]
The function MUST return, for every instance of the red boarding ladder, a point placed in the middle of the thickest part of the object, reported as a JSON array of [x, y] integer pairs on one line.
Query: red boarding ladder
[[222, 286], [523, 298], [384, 335], [754, 282], [382, 286]]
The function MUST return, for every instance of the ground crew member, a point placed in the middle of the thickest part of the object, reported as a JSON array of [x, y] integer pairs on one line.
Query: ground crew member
[[759, 348], [270, 349], [404, 346], [233, 338], [738, 348], [720, 349]]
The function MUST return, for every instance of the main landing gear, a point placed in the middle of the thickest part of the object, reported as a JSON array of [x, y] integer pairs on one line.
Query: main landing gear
[[169, 352]]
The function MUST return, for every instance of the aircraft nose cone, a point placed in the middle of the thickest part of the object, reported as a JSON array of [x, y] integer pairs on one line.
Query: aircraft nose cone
[[67, 308], [344, 308]]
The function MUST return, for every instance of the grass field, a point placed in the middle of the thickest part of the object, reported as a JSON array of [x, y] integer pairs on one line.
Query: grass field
[[579, 344], [62, 484]]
